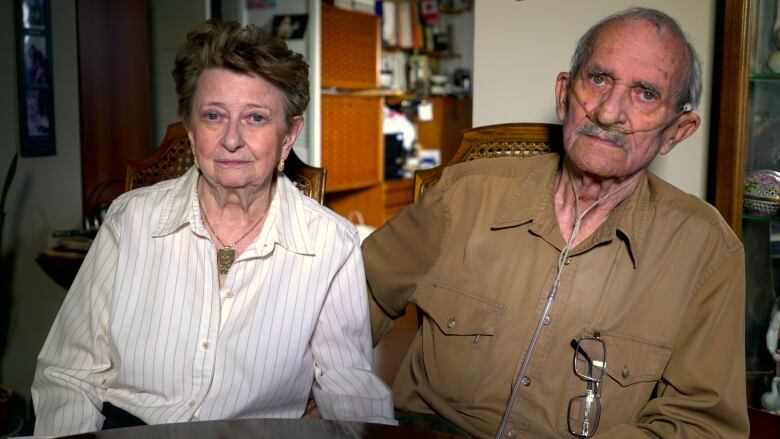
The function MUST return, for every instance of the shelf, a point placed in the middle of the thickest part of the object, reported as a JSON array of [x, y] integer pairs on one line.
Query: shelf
[[447, 10], [378, 92], [418, 51], [443, 8], [752, 217], [764, 76]]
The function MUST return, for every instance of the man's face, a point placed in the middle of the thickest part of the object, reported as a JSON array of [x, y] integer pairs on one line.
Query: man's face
[[619, 112]]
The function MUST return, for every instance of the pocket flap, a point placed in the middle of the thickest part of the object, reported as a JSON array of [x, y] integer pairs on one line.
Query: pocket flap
[[630, 361], [456, 312]]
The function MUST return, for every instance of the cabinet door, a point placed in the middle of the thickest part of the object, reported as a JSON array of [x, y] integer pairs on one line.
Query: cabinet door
[[352, 141], [761, 234], [450, 117], [350, 49], [748, 139]]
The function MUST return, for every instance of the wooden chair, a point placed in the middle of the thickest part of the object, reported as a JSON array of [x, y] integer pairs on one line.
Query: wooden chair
[[490, 141], [174, 157]]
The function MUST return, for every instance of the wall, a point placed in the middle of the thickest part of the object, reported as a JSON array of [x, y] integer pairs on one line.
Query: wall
[[45, 196], [520, 46], [169, 22]]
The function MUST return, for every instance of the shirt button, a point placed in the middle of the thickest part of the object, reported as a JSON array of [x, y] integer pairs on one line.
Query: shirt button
[[546, 320], [525, 381], [451, 322], [512, 433], [206, 345], [567, 261], [229, 295], [625, 372], [191, 403]]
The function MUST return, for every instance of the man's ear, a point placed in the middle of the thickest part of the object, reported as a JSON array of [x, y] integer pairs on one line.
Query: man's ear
[[562, 95], [682, 128]]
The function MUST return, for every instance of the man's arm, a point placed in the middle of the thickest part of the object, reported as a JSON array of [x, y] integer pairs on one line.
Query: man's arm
[[74, 366], [399, 254], [702, 393], [345, 388]]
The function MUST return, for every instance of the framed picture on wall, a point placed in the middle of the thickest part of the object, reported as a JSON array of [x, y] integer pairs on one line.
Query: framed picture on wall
[[35, 83]]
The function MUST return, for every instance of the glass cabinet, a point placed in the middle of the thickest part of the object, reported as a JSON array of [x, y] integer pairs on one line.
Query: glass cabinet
[[746, 138]]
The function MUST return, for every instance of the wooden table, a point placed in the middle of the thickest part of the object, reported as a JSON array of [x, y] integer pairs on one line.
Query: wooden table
[[265, 429], [763, 425], [61, 265]]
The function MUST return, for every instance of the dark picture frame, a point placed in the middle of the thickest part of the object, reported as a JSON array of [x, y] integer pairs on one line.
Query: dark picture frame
[[34, 73]]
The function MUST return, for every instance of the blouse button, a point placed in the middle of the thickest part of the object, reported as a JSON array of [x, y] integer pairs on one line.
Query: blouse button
[[525, 381], [229, 294], [511, 433], [625, 372], [451, 322], [205, 345]]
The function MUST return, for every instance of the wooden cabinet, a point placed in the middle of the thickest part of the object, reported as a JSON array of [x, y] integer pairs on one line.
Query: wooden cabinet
[[746, 137], [352, 141], [350, 49], [397, 194], [450, 117], [353, 148]]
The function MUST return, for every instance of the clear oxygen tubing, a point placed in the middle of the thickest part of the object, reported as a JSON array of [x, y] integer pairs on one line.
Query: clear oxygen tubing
[[551, 295]]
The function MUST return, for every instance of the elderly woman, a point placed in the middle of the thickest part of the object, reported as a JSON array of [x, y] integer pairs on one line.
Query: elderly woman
[[224, 293]]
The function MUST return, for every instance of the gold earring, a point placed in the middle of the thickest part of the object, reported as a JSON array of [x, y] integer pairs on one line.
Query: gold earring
[[280, 166]]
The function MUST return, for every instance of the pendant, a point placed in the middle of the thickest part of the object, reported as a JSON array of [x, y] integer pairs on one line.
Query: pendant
[[225, 258]]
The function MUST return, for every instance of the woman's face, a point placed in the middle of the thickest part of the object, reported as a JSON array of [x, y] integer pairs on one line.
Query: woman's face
[[238, 129]]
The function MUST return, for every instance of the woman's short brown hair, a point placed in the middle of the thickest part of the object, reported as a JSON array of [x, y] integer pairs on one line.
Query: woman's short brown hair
[[246, 50]]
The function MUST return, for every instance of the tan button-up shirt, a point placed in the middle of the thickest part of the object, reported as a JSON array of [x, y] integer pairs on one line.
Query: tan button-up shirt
[[662, 281]]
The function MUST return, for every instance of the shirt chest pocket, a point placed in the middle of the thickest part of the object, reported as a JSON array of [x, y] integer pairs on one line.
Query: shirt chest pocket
[[632, 371], [457, 337]]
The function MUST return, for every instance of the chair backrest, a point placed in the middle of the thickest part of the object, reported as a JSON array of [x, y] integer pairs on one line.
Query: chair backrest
[[491, 141], [174, 157]]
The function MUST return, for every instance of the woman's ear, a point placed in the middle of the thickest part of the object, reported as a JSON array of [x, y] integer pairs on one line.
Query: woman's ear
[[562, 95], [191, 137], [292, 133]]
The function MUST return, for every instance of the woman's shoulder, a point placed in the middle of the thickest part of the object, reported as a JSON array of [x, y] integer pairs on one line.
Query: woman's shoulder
[[318, 218], [144, 194], [145, 202], [334, 223]]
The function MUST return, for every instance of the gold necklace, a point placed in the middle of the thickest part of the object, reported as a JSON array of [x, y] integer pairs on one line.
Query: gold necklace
[[227, 254]]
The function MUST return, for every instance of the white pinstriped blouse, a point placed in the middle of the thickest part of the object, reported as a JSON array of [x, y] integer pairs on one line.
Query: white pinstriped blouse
[[146, 326]]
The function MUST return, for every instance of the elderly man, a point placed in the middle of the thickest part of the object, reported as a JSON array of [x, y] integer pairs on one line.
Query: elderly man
[[575, 294]]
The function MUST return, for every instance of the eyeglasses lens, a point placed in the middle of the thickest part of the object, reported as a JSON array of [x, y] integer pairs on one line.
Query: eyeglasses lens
[[584, 414], [589, 360]]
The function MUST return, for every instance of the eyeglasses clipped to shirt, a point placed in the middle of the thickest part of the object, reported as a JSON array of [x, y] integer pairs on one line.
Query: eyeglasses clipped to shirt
[[590, 359]]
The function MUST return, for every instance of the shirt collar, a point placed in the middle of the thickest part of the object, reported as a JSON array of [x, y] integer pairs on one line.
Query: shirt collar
[[286, 224], [534, 201]]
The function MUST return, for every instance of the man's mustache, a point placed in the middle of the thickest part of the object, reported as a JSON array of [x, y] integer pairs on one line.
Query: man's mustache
[[619, 139]]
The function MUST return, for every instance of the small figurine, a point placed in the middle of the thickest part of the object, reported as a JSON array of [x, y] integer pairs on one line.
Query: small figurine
[[774, 59], [771, 400], [776, 27]]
